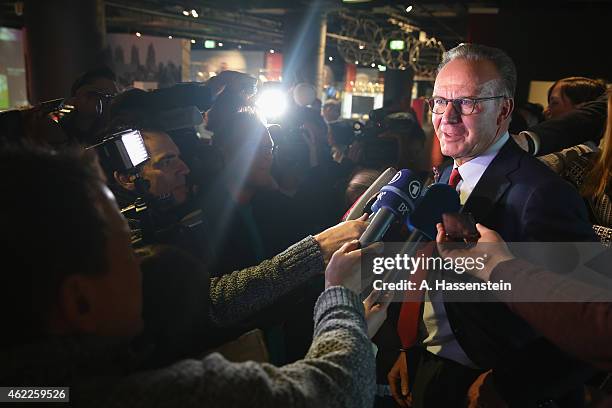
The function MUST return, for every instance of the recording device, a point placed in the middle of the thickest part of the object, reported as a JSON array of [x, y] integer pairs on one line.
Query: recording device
[[358, 208], [460, 227], [394, 203], [378, 150], [122, 151], [56, 109], [436, 200]]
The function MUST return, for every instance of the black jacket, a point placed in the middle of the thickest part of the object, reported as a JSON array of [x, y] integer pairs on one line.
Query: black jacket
[[523, 201]]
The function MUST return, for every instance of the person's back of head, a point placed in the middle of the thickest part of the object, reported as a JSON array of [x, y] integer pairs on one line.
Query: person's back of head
[[51, 228], [91, 76]]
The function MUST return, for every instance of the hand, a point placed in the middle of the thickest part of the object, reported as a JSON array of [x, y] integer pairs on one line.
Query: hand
[[490, 247], [521, 140], [482, 393], [398, 382], [343, 268], [332, 238], [376, 305]]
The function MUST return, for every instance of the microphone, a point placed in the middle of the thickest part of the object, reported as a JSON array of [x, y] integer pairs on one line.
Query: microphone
[[360, 205], [436, 200], [394, 202]]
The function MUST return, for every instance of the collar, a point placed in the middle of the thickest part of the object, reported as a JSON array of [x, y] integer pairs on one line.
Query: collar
[[472, 171]]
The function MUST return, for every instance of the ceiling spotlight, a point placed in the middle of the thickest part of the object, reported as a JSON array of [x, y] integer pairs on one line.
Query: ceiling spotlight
[[220, 44], [169, 37], [271, 51], [331, 58], [193, 41], [408, 9], [194, 13], [373, 65], [185, 13], [200, 74], [239, 46], [138, 34], [361, 46], [356, 62]]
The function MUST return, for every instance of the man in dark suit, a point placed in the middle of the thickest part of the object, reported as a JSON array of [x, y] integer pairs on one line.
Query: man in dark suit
[[481, 351]]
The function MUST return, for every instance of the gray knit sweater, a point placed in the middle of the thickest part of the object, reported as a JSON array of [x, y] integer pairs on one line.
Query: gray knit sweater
[[236, 296], [338, 370]]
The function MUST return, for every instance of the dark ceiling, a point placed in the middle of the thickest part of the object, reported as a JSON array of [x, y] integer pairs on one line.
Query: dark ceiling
[[259, 23]]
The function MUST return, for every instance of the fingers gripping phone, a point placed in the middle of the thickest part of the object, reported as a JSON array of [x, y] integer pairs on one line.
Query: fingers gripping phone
[[460, 227]]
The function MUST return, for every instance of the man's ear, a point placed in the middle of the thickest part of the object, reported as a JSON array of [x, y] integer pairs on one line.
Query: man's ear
[[506, 111], [75, 312], [125, 180]]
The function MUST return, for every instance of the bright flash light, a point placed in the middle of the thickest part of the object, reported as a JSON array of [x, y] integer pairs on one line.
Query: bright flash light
[[408, 9], [194, 13], [185, 13], [272, 103], [138, 34]]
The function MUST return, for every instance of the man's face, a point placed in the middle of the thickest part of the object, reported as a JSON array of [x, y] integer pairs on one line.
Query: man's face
[[165, 171], [558, 104], [117, 293], [465, 137]]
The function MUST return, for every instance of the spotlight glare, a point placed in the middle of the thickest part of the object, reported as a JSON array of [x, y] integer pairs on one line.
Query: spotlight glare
[[194, 13], [193, 41], [220, 44], [331, 58], [271, 51], [373, 65], [408, 9], [138, 34], [185, 13], [272, 103], [169, 37]]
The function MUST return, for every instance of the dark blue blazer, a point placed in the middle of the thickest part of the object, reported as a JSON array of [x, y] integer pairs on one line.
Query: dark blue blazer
[[524, 201]]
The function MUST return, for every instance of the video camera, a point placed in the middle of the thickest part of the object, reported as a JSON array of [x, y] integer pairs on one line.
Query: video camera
[[379, 151]]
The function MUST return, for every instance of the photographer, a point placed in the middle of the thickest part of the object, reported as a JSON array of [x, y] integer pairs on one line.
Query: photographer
[[75, 306]]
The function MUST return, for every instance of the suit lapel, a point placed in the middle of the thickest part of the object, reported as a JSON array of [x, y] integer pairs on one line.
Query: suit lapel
[[494, 182]]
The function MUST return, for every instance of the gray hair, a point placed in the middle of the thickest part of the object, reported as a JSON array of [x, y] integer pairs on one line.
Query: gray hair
[[475, 52]]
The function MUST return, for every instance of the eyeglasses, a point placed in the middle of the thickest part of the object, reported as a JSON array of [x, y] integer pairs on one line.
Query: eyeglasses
[[463, 106]]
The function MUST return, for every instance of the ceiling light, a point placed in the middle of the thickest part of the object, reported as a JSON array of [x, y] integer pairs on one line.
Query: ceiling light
[[193, 41], [194, 13], [408, 9], [138, 34], [331, 58], [185, 13]]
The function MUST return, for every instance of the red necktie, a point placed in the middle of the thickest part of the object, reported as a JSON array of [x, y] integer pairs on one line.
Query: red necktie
[[410, 313], [455, 178]]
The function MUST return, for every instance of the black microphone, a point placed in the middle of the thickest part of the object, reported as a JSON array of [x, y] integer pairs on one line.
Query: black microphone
[[436, 200], [394, 202]]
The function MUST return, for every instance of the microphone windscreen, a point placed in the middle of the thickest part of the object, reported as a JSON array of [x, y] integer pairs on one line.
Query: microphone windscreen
[[359, 206], [435, 201], [400, 194]]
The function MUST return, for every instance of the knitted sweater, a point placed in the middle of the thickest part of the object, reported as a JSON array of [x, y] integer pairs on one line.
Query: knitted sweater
[[338, 370]]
